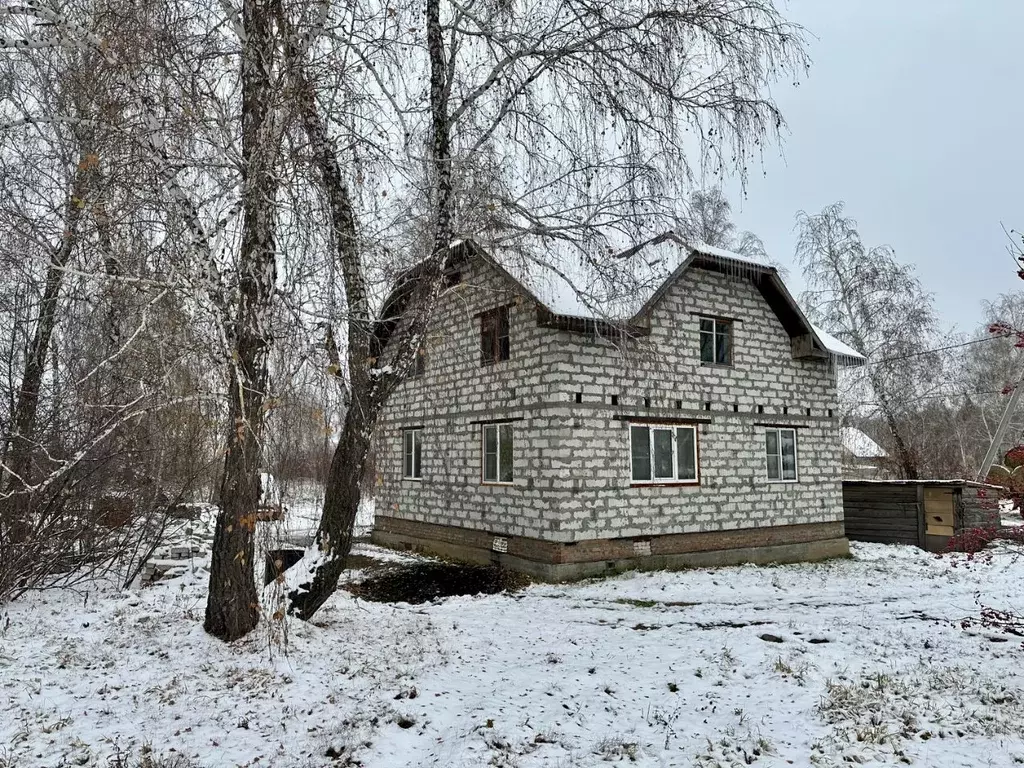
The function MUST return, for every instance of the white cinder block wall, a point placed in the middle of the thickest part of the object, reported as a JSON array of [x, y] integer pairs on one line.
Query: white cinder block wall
[[571, 460]]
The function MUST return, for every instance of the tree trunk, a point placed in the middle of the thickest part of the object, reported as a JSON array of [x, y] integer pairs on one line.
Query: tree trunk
[[369, 389], [20, 451], [341, 504], [341, 497], [232, 607], [904, 458]]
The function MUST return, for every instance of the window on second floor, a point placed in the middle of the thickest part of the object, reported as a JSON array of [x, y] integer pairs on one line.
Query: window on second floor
[[494, 336], [715, 341]]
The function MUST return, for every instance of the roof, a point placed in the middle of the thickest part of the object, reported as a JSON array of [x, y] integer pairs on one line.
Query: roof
[[623, 287], [842, 352], [581, 289], [860, 445]]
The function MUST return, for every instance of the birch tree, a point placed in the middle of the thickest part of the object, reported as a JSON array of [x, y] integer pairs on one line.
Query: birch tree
[[869, 300], [707, 218], [523, 125], [233, 608], [82, 382]]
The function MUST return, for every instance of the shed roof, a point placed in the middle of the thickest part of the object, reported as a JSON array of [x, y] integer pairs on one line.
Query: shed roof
[[955, 483]]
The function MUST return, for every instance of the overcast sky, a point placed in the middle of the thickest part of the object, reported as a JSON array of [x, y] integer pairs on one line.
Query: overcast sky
[[913, 115]]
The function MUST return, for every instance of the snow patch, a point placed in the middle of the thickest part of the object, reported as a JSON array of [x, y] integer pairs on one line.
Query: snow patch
[[860, 445]]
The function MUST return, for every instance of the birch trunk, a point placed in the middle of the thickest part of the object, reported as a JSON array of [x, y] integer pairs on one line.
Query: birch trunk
[[20, 452], [342, 494], [232, 608], [369, 388]]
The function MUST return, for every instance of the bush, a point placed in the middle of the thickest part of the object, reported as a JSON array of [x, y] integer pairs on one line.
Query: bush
[[975, 541]]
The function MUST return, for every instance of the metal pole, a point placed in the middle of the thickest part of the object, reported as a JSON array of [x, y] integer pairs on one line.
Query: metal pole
[[1004, 422]]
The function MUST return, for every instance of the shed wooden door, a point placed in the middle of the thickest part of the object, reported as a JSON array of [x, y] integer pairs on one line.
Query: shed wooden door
[[939, 511]]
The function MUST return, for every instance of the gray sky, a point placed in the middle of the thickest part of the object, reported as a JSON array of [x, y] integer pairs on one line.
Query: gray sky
[[913, 115]]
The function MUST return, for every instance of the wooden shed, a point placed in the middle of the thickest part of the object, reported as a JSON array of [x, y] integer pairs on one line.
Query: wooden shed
[[925, 513]]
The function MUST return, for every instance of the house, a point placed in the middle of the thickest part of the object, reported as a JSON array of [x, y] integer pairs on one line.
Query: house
[[863, 458], [678, 410]]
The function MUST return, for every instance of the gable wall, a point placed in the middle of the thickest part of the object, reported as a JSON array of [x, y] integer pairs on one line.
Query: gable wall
[[450, 400], [733, 492]]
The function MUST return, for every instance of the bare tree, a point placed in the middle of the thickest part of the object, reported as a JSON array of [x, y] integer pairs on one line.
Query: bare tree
[[707, 218], [182, 173], [232, 608], [558, 125], [81, 391], [877, 305]]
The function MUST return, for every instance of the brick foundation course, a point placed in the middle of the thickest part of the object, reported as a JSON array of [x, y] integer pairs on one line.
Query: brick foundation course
[[558, 561]]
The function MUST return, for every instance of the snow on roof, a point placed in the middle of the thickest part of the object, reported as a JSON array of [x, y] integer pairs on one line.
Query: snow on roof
[[721, 253], [843, 352], [612, 286], [616, 286], [860, 445], [608, 286]]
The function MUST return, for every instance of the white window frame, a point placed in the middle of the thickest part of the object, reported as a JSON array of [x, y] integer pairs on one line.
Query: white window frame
[[778, 442], [715, 323], [501, 452], [416, 468], [673, 430]]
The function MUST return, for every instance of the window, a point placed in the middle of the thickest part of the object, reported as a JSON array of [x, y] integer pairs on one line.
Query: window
[[715, 341], [497, 453], [412, 454], [780, 453], [663, 454], [419, 363], [494, 341]]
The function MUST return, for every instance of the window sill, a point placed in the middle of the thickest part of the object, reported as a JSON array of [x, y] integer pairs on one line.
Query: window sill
[[414, 479], [665, 484], [498, 484], [783, 482], [716, 365]]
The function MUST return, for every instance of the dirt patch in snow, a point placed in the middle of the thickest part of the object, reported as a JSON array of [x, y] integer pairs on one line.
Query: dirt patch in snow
[[426, 581]]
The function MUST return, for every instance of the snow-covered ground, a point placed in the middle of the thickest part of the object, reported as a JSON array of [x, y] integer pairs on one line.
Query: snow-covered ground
[[861, 661]]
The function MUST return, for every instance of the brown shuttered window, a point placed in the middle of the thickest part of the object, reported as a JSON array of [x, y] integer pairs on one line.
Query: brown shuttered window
[[494, 336]]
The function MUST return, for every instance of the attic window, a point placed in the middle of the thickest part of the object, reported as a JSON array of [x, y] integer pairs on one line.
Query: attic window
[[494, 336], [715, 341], [419, 364]]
